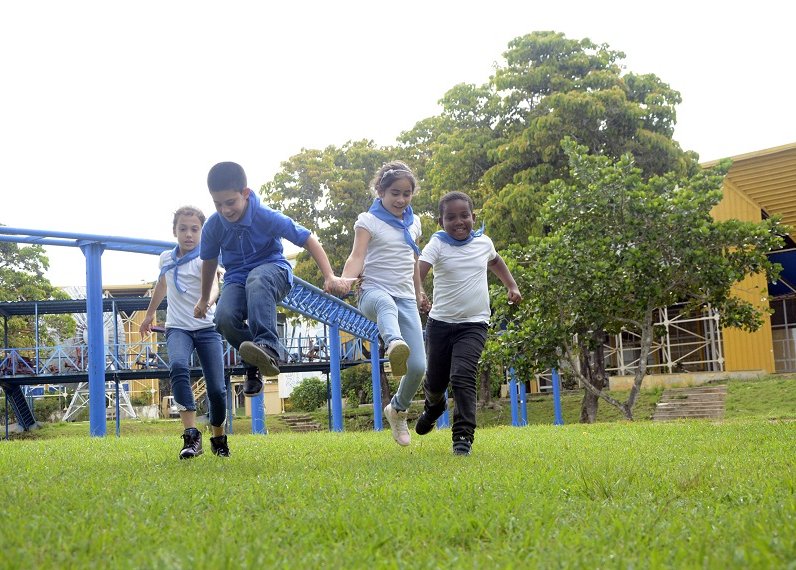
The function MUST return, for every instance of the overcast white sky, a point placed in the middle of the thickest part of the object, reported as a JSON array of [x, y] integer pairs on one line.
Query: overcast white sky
[[111, 113]]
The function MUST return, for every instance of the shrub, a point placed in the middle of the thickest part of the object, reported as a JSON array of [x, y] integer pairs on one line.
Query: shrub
[[309, 395], [356, 383]]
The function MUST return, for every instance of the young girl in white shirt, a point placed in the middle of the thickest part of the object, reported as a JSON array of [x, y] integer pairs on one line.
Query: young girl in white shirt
[[384, 259]]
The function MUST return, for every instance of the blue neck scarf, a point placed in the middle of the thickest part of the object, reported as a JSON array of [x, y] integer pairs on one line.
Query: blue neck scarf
[[176, 262], [378, 210], [460, 242]]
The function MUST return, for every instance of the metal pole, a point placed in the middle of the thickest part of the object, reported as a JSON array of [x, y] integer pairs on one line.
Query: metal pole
[[334, 372], [229, 400], [513, 396], [375, 378], [258, 414], [96, 341], [118, 418], [36, 332], [558, 418]]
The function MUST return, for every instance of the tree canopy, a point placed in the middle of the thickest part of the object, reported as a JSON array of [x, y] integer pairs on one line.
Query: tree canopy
[[501, 141], [22, 279], [620, 247]]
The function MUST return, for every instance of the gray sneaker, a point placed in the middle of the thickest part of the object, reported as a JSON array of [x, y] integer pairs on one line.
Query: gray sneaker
[[397, 421], [398, 354], [261, 356]]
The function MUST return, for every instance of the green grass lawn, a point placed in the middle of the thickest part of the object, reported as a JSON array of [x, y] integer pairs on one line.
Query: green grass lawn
[[608, 495], [614, 494]]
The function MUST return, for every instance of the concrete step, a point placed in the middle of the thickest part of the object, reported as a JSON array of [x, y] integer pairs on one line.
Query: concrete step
[[302, 423], [704, 402]]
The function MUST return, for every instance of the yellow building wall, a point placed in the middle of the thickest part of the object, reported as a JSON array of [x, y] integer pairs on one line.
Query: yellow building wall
[[744, 350]]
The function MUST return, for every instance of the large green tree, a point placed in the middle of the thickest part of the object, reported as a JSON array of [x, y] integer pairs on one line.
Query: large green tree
[[22, 279], [501, 141], [620, 247]]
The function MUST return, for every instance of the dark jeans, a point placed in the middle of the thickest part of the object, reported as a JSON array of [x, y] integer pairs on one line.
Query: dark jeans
[[453, 352], [207, 342], [248, 312]]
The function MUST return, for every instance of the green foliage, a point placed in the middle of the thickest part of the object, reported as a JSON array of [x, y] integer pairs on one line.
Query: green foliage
[[309, 395], [501, 141], [619, 247], [22, 279], [357, 384]]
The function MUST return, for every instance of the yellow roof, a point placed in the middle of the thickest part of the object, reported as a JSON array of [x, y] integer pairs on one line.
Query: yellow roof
[[768, 177]]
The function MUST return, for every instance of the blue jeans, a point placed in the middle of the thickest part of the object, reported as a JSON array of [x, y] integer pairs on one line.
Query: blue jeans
[[398, 319], [254, 302], [207, 342]]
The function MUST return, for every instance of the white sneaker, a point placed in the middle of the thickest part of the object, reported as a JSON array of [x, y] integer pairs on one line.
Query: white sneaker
[[398, 354], [397, 421]]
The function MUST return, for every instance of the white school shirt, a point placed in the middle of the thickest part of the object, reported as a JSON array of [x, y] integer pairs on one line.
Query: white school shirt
[[461, 292], [179, 312], [389, 261]]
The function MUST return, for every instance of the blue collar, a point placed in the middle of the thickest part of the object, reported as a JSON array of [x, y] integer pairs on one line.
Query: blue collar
[[460, 242], [177, 261], [378, 210]]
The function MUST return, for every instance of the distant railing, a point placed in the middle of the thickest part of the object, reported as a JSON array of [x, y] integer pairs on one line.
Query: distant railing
[[145, 355]]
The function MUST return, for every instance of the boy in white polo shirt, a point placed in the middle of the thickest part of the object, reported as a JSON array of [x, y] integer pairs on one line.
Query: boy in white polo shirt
[[457, 325]]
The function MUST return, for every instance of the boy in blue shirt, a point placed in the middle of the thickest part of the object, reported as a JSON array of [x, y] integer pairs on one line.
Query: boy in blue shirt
[[248, 236]]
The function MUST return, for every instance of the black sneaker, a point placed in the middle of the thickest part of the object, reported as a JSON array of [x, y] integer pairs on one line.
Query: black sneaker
[[192, 444], [424, 423], [219, 446], [262, 356], [253, 384], [462, 446]]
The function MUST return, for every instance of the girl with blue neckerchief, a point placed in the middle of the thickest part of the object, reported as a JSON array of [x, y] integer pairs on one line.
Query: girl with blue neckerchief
[[383, 259], [180, 281], [457, 323]]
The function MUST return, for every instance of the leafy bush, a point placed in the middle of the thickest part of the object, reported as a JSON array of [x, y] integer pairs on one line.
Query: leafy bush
[[356, 384], [309, 395]]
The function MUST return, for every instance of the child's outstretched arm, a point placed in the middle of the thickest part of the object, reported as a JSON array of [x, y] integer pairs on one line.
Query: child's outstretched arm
[[423, 267], [209, 268], [499, 268], [158, 294], [317, 252], [355, 262]]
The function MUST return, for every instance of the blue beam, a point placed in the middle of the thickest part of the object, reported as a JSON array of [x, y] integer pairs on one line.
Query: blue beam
[[96, 340], [334, 371], [375, 378]]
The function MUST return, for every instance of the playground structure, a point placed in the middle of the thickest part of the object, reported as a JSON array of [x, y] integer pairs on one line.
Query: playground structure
[[103, 366]]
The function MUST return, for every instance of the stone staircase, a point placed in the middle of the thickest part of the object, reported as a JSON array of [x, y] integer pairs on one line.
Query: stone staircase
[[703, 402], [301, 422]]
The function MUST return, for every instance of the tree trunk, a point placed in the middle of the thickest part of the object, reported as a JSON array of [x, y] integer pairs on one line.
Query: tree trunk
[[592, 364], [385, 387]]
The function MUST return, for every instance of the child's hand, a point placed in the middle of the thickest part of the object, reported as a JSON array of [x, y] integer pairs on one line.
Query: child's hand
[[200, 309], [333, 286], [423, 303], [342, 285], [514, 296], [146, 325]]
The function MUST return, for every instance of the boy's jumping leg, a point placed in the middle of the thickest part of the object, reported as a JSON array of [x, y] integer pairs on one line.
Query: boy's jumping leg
[[266, 286]]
